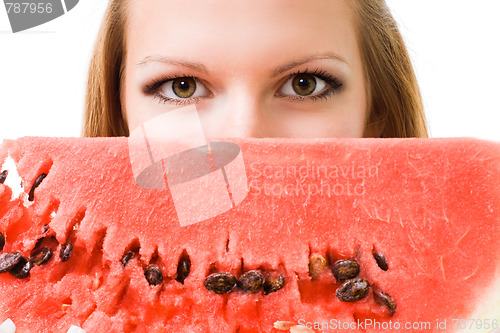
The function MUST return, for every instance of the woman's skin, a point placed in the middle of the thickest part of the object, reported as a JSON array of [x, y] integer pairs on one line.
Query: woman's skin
[[263, 68]]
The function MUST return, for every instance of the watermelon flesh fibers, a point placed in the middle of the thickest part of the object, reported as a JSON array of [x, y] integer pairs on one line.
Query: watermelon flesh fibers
[[430, 207]]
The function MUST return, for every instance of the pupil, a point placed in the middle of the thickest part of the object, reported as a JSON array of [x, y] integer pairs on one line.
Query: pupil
[[304, 84], [183, 85]]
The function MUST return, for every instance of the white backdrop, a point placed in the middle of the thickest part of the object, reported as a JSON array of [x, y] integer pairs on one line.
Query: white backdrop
[[455, 46]]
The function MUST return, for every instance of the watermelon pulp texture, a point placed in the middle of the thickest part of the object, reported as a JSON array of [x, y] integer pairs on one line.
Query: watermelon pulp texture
[[430, 206]]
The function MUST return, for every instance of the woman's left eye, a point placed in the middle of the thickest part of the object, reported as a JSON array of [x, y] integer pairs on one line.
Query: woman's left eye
[[309, 85], [303, 85], [183, 88]]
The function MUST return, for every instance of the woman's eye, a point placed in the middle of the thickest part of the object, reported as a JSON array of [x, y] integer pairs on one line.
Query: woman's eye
[[182, 88], [303, 85]]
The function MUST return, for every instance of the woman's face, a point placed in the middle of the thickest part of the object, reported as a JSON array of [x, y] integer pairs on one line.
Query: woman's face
[[262, 68]]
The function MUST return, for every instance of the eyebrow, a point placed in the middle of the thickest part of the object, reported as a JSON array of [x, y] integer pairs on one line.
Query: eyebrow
[[201, 68], [175, 61], [305, 60]]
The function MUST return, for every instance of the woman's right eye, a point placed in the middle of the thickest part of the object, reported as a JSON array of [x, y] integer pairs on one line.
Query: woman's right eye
[[177, 90], [183, 88]]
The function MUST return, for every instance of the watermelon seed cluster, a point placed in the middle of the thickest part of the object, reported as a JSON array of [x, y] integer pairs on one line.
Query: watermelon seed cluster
[[251, 282], [14, 262], [153, 273], [346, 271], [8, 261], [20, 266]]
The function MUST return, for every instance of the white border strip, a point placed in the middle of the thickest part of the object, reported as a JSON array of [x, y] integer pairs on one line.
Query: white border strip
[[64, 6]]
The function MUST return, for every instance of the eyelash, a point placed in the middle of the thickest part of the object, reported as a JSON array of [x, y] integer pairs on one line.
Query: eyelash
[[333, 86]]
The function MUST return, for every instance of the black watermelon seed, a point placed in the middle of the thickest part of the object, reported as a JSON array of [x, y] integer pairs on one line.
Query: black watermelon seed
[[22, 269], [66, 250], [345, 269], [317, 264], [38, 181], [273, 283], [183, 267], [2, 241], [220, 283], [44, 229], [381, 261], [153, 275], [126, 258], [251, 282], [38, 242], [9, 260], [41, 256], [384, 299], [353, 290], [3, 176]]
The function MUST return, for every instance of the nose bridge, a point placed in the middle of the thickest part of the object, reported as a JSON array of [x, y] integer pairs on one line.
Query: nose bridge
[[241, 113]]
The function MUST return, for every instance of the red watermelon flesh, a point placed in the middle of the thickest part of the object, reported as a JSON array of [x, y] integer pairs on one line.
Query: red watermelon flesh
[[431, 207]]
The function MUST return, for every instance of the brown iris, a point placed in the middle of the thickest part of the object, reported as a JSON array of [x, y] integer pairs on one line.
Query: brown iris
[[184, 87], [304, 84]]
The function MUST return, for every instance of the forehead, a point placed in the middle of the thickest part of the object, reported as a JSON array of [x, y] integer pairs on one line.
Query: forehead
[[238, 30]]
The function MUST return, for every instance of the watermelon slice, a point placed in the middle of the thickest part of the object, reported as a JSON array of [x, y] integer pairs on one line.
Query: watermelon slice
[[330, 235]]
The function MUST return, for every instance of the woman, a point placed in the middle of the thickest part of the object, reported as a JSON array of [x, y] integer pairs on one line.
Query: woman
[[280, 68]]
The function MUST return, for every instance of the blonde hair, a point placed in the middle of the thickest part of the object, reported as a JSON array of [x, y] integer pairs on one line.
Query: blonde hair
[[103, 113], [394, 102]]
